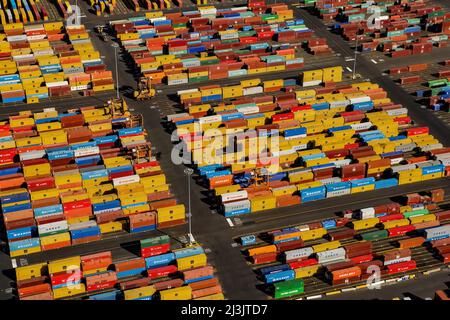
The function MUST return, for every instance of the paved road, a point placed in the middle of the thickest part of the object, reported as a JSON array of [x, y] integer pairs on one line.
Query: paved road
[[209, 228], [419, 288]]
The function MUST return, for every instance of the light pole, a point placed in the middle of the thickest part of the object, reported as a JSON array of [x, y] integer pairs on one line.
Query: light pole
[[115, 46], [188, 172], [356, 50]]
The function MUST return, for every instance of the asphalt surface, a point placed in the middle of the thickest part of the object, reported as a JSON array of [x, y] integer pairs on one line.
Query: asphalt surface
[[422, 287], [209, 228]]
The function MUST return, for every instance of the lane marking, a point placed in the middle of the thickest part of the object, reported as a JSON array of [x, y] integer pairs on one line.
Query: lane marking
[[373, 61], [14, 263], [230, 222], [348, 69]]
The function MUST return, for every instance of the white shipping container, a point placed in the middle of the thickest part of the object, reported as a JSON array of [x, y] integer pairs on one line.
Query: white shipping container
[[180, 92], [359, 99], [21, 37], [53, 227], [340, 103], [44, 52], [22, 57], [406, 147], [300, 147], [252, 90], [367, 213], [295, 137], [445, 162], [331, 255], [442, 231], [126, 180], [343, 162], [36, 37], [236, 205], [248, 110], [396, 161], [311, 83], [234, 196], [37, 154], [82, 225], [432, 147], [397, 112], [389, 262], [56, 84], [291, 255], [361, 126], [177, 81], [330, 180], [404, 167], [303, 227], [210, 119], [89, 151], [283, 152], [338, 193]]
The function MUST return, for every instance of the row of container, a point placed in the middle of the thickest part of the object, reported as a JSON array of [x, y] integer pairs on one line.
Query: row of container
[[103, 6], [337, 263], [437, 93], [194, 46], [304, 145], [48, 60], [399, 29], [25, 11], [175, 274], [69, 178]]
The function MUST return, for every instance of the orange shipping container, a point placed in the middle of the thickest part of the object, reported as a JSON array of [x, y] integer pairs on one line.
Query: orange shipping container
[[411, 243], [264, 249], [346, 273], [32, 290], [206, 291]]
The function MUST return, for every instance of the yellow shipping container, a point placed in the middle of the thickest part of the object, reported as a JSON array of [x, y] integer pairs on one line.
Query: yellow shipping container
[[326, 246], [365, 223], [65, 292], [53, 137], [305, 272], [37, 170], [363, 188], [396, 223], [31, 271], [180, 293], [423, 218], [171, 213], [56, 238], [64, 265], [263, 203], [307, 185], [108, 227], [18, 253], [190, 262], [137, 293], [250, 83], [313, 234]]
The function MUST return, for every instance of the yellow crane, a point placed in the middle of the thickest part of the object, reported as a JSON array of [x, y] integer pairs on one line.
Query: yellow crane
[[144, 89]]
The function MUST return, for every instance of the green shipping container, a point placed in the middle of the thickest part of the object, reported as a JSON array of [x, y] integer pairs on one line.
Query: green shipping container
[[179, 25], [230, 40], [209, 62], [250, 33], [198, 79], [267, 17], [434, 14], [145, 243], [395, 33], [415, 213], [374, 235], [289, 288], [437, 83]]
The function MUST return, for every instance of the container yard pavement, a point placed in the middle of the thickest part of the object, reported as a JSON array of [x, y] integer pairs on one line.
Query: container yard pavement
[[209, 228], [419, 288]]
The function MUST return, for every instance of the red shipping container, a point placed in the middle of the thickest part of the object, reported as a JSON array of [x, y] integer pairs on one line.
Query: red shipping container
[[155, 250], [161, 272], [304, 263]]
